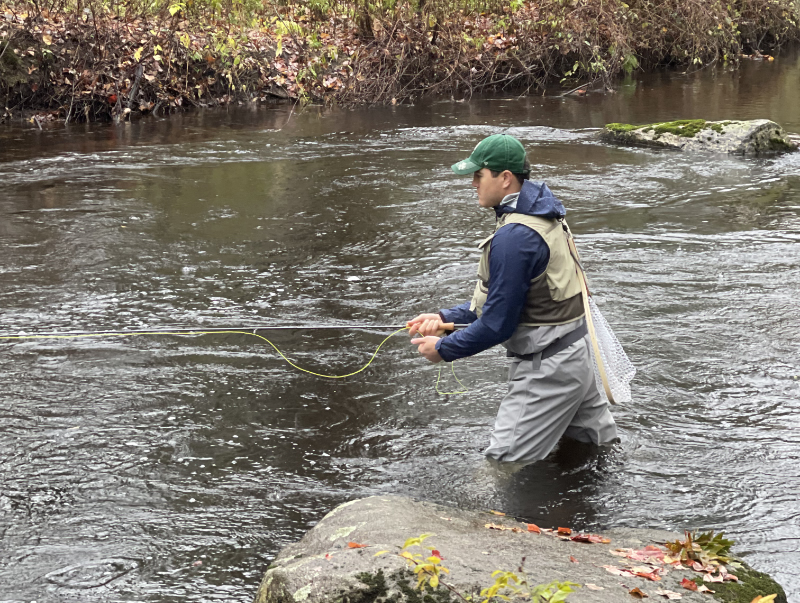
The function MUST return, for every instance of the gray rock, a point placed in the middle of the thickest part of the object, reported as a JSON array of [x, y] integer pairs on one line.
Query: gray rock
[[322, 568], [753, 137]]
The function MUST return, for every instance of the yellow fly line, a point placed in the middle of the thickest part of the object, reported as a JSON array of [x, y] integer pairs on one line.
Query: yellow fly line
[[234, 332]]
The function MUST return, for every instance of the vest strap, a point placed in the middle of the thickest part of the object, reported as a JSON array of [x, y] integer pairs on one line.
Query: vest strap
[[559, 345], [588, 312]]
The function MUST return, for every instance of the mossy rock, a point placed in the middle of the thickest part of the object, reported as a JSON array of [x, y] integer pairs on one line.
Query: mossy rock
[[685, 128], [615, 127], [399, 586], [377, 589], [751, 584], [753, 137]]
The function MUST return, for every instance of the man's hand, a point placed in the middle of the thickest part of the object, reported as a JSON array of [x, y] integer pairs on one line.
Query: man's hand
[[427, 347], [426, 325]]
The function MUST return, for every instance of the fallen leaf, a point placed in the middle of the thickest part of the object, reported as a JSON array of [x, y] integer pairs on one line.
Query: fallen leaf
[[328, 556], [564, 531], [704, 589], [571, 558], [47, 39], [647, 553], [355, 545], [618, 571], [497, 513], [689, 584], [668, 594], [644, 571], [594, 587], [532, 527], [710, 578], [766, 599], [636, 592]]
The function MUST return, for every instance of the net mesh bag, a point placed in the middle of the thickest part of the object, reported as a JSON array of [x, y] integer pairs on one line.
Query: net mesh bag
[[619, 369]]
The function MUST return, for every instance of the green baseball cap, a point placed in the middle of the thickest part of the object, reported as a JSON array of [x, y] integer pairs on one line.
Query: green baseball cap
[[498, 152]]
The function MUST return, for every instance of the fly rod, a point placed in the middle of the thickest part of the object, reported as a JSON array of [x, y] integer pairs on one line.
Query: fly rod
[[206, 330]]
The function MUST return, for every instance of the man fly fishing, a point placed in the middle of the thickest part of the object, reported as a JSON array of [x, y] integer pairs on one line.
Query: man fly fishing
[[528, 298]]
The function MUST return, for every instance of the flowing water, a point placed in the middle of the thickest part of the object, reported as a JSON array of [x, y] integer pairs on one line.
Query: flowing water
[[167, 469]]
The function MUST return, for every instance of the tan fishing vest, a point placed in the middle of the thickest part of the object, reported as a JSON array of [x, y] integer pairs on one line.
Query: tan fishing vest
[[554, 297]]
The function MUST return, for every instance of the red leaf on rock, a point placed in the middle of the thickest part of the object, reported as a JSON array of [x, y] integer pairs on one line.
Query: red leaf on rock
[[435, 553], [636, 592], [571, 558], [688, 584], [355, 545], [648, 552], [532, 527], [653, 575], [564, 531]]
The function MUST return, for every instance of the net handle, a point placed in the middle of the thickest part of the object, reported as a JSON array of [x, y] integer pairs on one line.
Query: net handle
[[588, 313]]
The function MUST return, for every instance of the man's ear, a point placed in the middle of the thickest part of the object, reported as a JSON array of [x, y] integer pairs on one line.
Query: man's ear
[[508, 179]]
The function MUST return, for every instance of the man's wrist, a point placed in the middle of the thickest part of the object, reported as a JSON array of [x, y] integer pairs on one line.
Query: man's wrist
[[438, 346]]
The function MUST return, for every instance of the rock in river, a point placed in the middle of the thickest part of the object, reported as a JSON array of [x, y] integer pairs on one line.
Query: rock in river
[[753, 137], [336, 561]]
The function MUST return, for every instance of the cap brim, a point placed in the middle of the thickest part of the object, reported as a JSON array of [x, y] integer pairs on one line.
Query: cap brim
[[466, 167]]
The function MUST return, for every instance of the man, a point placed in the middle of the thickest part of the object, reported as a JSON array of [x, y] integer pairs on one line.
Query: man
[[528, 298]]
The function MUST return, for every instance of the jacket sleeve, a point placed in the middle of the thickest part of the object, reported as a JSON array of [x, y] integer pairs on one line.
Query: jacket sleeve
[[461, 314], [518, 254]]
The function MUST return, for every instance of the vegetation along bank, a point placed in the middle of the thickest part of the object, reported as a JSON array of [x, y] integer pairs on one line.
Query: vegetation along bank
[[82, 60]]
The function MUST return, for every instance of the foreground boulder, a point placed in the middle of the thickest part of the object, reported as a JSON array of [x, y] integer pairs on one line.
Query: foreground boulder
[[335, 562], [753, 137]]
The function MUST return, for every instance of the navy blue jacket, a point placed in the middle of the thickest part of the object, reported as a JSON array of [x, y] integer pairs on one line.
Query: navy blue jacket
[[518, 255]]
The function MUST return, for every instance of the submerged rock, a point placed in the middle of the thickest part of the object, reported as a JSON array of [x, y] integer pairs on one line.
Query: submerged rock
[[752, 137], [335, 562]]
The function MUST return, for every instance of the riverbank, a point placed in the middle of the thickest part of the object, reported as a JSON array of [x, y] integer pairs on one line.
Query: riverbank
[[84, 63]]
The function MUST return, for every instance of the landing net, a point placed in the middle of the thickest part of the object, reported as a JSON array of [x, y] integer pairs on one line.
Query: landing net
[[619, 369]]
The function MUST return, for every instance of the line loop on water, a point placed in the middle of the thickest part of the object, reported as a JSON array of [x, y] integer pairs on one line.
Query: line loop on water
[[238, 332]]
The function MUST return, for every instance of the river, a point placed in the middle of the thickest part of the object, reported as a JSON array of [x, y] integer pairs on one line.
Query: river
[[172, 469]]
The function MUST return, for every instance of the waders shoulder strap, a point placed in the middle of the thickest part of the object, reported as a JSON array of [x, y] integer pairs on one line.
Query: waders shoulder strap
[[588, 313]]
